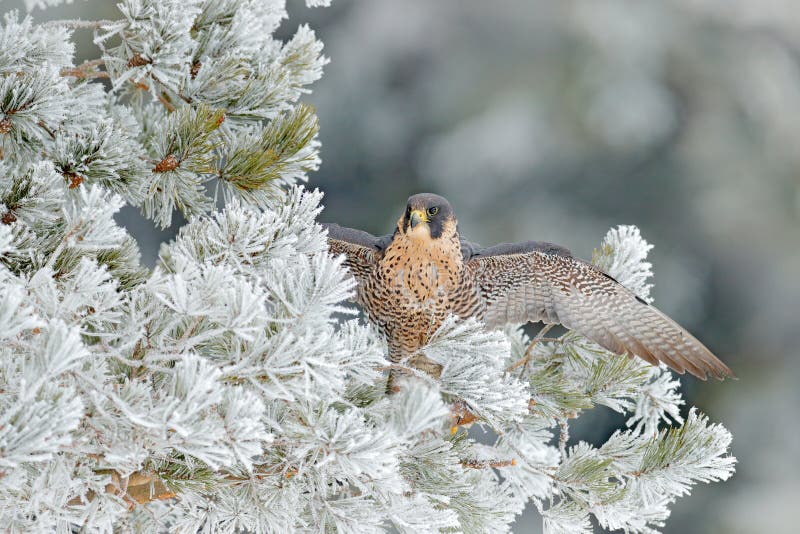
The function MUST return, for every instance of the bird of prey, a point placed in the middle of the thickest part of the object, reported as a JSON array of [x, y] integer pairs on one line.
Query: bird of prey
[[408, 282]]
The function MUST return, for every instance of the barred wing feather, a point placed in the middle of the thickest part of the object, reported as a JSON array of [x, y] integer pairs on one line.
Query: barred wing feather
[[542, 282]]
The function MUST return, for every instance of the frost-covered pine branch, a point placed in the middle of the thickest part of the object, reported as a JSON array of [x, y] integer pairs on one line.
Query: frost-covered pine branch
[[230, 388]]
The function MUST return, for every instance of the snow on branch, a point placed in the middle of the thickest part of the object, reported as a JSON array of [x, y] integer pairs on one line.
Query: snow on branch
[[472, 370], [623, 255]]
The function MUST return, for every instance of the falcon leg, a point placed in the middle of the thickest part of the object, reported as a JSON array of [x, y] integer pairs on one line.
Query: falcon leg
[[395, 356], [417, 361]]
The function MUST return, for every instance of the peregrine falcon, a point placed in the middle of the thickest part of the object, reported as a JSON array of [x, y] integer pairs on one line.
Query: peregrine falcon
[[411, 280]]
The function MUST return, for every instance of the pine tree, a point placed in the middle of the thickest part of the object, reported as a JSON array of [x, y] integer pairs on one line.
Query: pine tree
[[222, 391]]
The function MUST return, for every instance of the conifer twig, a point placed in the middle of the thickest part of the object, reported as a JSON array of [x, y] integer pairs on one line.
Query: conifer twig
[[78, 24], [563, 437], [483, 464], [86, 70], [529, 351]]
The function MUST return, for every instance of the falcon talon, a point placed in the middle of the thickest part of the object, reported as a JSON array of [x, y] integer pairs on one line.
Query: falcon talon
[[411, 280]]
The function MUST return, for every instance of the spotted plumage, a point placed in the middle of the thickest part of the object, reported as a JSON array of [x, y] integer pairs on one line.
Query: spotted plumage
[[410, 281]]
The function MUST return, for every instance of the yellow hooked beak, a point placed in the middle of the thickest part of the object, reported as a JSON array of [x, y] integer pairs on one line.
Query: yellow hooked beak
[[418, 216]]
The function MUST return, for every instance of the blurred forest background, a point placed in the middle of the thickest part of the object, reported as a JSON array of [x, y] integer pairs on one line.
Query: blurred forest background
[[556, 120]]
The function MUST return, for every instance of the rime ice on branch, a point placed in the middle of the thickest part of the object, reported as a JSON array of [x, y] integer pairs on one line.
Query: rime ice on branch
[[222, 390]]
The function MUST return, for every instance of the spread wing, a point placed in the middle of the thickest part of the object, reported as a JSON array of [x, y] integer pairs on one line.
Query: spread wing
[[361, 249], [537, 281]]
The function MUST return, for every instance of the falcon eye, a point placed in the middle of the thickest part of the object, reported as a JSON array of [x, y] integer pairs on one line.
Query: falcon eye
[[433, 211]]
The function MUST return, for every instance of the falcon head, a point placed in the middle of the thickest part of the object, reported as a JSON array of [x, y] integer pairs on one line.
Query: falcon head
[[427, 216]]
